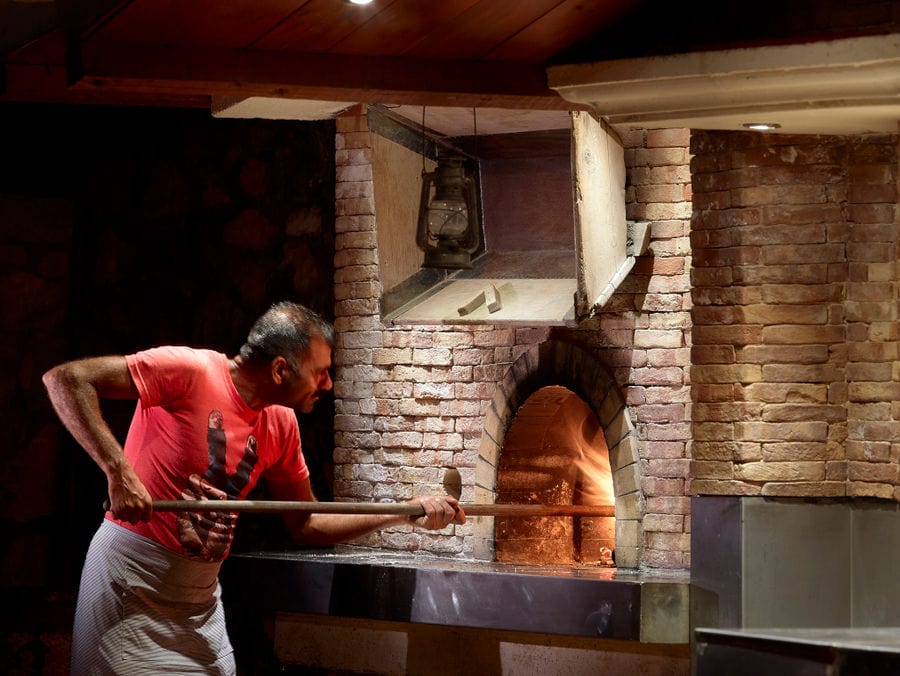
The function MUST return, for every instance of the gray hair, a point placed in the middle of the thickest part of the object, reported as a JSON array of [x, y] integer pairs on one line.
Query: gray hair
[[285, 330]]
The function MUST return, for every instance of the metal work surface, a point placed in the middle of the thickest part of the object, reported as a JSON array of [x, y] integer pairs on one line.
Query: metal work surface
[[838, 651], [371, 584]]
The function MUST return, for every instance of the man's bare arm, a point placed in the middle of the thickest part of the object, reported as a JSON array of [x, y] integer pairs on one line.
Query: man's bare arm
[[75, 389], [327, 529]]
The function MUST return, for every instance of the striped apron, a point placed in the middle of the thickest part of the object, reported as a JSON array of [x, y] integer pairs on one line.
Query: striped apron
[[143, 609]]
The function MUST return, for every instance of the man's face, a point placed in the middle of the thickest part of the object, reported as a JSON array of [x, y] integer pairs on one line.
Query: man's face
[[306, 386]]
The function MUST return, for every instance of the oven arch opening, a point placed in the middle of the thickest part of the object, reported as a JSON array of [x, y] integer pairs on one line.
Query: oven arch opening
[[555, 453], [580, 371]]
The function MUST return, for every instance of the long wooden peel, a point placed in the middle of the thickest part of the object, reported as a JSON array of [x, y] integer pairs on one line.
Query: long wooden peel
[[403, 508]]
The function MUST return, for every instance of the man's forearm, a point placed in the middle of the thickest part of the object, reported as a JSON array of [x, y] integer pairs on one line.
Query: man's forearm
[[75, 396], [330, 529], [78, 406], [323, 529]]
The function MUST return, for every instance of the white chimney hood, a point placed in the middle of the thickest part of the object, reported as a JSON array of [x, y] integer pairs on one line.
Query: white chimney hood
[[849, 86]]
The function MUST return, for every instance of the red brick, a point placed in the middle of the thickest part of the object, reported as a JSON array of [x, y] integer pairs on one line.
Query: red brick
[[668, 138]]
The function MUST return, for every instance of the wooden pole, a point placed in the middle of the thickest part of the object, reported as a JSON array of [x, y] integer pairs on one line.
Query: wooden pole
[[408, 509]]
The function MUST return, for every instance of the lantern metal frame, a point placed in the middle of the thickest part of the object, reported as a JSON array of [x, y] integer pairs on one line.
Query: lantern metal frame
[[451, 180]]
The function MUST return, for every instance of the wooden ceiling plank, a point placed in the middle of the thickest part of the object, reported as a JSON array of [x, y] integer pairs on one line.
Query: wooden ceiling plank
[[318, 25], [240, 74], [391, 31], [48, 49], [570, 22], [209, 24], [479, 30]]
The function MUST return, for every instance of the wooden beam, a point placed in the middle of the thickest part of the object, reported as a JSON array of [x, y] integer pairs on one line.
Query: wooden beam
[[326, 77], [26, 83], [40, 73]]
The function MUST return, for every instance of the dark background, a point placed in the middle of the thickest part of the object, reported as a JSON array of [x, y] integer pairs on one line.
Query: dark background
[[122, 229]]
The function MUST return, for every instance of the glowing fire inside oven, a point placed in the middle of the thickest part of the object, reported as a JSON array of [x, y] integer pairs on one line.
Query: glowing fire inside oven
[[555, 453]]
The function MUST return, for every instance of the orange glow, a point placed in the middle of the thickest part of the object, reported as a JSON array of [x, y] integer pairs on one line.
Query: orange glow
[[555, 453]]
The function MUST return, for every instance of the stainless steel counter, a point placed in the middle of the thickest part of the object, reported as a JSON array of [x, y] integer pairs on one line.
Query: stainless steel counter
[[838, 651], [379, 585]]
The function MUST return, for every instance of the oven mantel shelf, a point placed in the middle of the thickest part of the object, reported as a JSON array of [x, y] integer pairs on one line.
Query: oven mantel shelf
[[524, 301]]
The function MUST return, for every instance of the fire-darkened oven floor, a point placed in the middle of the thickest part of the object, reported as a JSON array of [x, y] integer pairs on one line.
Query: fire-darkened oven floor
[[381, 585]]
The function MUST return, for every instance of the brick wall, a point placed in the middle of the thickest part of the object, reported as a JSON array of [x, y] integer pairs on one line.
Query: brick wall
[[644, 336], [795, 289], [410, 401]]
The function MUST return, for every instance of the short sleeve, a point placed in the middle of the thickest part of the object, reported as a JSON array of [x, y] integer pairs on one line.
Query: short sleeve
[[289, 465], [163, 374]]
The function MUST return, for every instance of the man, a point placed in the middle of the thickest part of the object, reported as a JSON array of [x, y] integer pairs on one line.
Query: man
[[205, 427]]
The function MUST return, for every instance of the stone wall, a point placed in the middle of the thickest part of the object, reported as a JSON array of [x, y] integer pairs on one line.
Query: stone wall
[[795, 289], [412, 400]]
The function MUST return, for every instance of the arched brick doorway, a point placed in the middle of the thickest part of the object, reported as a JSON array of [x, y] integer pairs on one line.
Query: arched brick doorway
[[578, 370]]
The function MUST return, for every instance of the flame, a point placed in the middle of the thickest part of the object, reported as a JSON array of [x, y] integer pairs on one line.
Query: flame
[[595, 485]]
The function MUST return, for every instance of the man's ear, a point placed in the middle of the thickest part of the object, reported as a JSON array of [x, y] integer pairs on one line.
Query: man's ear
[[280, 367]]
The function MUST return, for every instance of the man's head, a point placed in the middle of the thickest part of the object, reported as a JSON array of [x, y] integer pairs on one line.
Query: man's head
[[285, 330], [294, 344]]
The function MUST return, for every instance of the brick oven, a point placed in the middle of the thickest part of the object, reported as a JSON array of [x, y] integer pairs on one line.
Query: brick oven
[[493, 402], [413, 399]]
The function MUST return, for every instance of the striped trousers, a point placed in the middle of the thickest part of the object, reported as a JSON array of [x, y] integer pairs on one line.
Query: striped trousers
[[143, 610]]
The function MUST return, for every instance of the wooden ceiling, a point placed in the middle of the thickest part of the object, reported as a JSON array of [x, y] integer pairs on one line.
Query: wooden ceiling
[[183, 52], [455, 54]]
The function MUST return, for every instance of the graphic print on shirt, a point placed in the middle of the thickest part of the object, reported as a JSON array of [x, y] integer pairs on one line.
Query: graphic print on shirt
[[207, 535]]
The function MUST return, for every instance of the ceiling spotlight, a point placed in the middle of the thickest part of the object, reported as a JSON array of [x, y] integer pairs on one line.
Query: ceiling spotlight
[[360, 2], [762, 126]]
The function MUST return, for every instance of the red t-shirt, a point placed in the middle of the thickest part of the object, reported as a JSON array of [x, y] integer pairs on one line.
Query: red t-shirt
[[193, 436]]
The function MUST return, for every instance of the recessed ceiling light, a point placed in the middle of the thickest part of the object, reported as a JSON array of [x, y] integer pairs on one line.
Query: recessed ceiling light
[[360, 2], [762, 126]]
